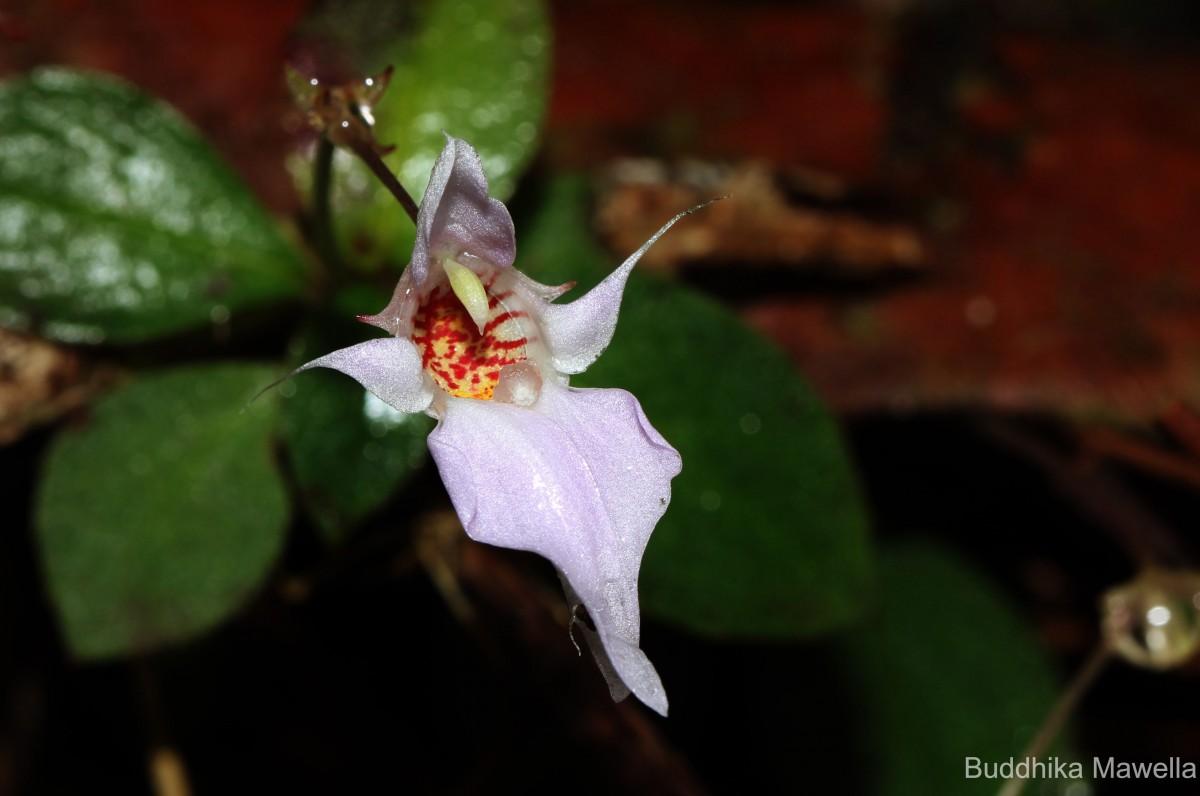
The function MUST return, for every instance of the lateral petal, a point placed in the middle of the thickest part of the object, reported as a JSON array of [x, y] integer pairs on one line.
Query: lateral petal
[[389, 367], [578, 332]]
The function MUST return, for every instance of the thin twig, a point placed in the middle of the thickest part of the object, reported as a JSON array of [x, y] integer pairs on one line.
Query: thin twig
[[1184, 424], [1099, 494], [1054, 721], [167, 772], [168, 775], [1165, 464], [375, 163], [437, 538]]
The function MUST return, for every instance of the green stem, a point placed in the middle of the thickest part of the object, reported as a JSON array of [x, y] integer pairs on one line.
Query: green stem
[[322, 219]]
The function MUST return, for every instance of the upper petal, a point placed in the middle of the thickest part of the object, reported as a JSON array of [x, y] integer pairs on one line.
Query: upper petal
[[578, 332], [458, 217], [581, 478], [389, 367]]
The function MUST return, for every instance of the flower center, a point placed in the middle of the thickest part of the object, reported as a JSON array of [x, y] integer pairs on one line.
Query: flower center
[[463, 360]]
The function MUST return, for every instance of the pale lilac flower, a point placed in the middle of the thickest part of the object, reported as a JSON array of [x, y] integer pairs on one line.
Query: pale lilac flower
[[576, 475]]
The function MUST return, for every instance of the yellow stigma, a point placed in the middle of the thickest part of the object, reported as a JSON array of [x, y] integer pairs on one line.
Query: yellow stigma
[[469, 289]]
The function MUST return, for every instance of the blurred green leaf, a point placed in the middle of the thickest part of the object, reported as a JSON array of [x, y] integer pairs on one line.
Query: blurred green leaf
[[163, 514], [349, 451], [476, 69], [945, 670], [766, 535], [117, 220]]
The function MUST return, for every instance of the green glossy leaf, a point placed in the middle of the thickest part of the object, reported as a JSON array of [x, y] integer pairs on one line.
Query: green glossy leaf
[[944, 670], [349, 451], [163, 513], [766, 535], [476, 69], [117, 220]]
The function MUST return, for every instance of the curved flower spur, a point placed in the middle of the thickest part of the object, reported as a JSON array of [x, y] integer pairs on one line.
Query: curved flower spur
[[576, 475]]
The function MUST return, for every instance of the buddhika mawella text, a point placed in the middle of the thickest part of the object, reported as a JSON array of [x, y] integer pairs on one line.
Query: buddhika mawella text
[[1058, 768]]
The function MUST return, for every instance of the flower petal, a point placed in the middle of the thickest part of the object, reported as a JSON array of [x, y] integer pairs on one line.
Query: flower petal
[[577, 333], [619, 660], [458, 217], [581, 478], [389, 367]]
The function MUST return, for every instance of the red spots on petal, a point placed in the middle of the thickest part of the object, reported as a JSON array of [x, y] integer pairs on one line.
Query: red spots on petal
[[496, 320], [461, 360]]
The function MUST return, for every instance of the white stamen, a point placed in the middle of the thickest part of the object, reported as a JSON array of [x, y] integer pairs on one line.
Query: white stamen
[[470, 291]]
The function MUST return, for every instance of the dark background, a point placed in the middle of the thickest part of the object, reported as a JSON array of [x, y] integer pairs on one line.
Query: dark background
[[1046, 156]]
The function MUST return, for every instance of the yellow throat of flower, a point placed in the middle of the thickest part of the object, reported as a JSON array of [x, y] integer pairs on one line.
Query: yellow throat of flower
[[466, 334]]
